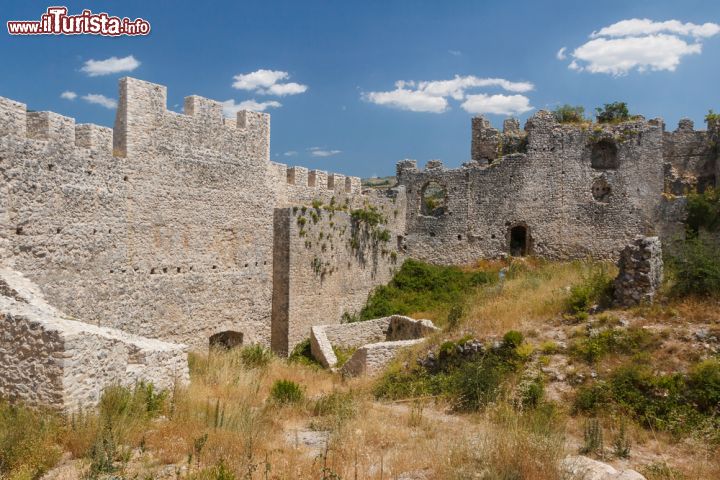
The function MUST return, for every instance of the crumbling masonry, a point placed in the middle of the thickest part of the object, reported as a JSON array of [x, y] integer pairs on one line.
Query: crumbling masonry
[[175, 230]]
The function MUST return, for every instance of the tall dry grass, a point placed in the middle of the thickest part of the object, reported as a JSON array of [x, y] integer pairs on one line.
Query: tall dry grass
[[533, 295]]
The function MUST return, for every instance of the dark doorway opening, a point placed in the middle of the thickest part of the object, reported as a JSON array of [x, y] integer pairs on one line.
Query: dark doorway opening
[[226, 340], [518, 241]]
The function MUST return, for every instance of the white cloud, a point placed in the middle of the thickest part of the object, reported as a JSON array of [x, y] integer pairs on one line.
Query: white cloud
[[290, 153], [637, 26], [455, 53], [560, 55], [432, 96], [321, 152], [268, 82], [413, 100], [101, 100], [497, 104], [95, 68], [639, 44], [230, 108], [68, 95]]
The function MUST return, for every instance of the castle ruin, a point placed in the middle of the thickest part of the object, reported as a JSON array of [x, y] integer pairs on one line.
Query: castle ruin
[[175, 230]]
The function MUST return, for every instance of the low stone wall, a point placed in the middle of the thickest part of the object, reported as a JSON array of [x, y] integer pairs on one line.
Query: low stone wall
[[641, 272], [373, 358], [386, 330], [48, 359]]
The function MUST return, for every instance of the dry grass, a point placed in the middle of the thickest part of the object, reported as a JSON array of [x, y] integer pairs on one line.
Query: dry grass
[[531, 298]]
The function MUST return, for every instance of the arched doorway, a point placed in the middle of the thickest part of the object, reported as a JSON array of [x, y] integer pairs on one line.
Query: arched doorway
[[519, 241], [227, 340]]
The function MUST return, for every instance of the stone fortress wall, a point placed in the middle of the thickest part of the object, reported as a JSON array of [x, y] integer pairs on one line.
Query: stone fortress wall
[[556, 190], [163, 226], [178, 227]]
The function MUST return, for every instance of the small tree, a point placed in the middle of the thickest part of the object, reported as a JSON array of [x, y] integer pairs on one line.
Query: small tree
[[613, 113], [570, 114]]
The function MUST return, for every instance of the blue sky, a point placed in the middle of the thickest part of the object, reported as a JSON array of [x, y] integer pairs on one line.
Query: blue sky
[[350, 117]]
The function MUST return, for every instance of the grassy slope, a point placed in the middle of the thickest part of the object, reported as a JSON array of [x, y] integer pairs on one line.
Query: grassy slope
[[226, 420]]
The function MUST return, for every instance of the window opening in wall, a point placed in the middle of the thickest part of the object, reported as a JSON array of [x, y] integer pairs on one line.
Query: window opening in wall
[[604, 155], [227, 340], [433, 199]]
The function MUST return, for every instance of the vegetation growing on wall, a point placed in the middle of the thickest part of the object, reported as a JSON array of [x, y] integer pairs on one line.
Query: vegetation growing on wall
[[615, 112], [570, 114]]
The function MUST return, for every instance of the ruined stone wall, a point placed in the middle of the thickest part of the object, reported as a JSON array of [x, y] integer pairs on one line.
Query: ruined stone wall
[[326, 263], [640, 272], [577, 191], [162, 228], [51, 360], [691, 158]]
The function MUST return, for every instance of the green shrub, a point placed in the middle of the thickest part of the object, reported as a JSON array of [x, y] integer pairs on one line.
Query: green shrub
[[703, 210], [255, 356], [513, 339], [570, 114], [422, 287], [302, 353], [615, 112], [712, 117], [676, 403], [532, 392], [28, 441], [704, 386], [454, 316], [613, 340], [120, 403], [286, 392], [469, 381], [694, 267], [342, 355], [595, 288]]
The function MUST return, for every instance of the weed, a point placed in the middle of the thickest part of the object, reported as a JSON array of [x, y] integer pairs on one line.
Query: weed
[[592, 438], [594, 289], [285, 392], [621, 444]]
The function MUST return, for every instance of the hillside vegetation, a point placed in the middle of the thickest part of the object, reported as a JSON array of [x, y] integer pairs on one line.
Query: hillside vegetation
[[528, 369]]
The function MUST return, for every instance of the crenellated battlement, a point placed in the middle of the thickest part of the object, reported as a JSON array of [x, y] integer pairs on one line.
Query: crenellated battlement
[[318, 181], [144, 124], [51, 127]]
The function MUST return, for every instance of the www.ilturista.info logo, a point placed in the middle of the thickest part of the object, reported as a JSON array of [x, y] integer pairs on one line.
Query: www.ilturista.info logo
[[56, 21]]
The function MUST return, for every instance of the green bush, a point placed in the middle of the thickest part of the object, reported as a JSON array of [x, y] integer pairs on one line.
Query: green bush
[[596, 287], [592, 348], [286, 392], [704, 386], [469, 381], [694, 266], [120, 403], [712, 116], [255, 356], [677, 403], [513, 339], [28, 441], [570, 114], [422, 287], [703, 210], [302, 354], [615, 112]]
